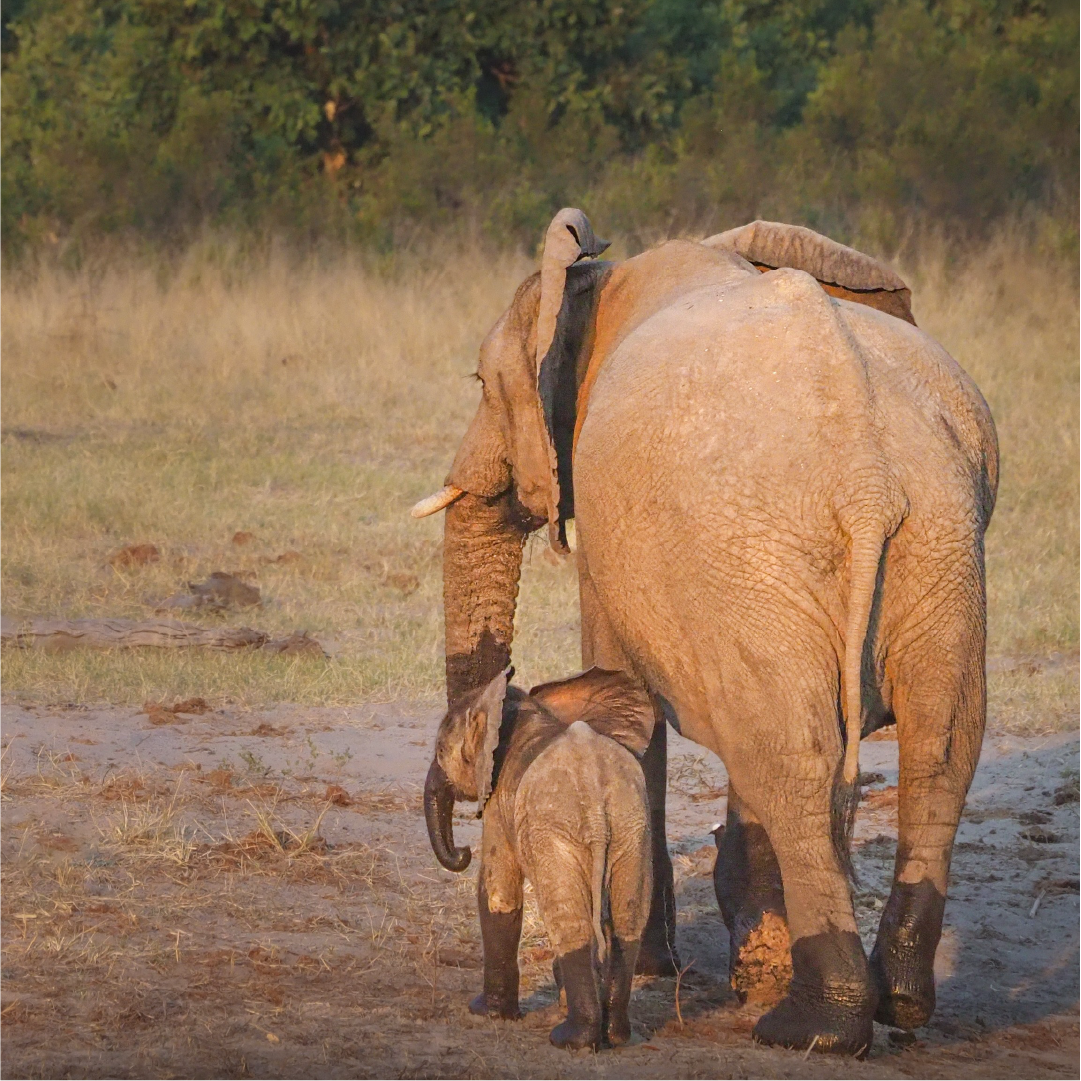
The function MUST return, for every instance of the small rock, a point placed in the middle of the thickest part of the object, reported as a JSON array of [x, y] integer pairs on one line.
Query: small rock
[[1067, 793], [218, 592], [226, 590], [297, 644], [242, 537], [135, 555], [871, 778], [1040, 835]]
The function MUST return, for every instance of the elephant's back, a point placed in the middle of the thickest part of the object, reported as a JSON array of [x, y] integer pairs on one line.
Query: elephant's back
[[766, 385], [583, 788]]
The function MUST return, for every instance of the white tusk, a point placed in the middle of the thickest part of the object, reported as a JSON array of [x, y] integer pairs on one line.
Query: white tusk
[[443, 498]]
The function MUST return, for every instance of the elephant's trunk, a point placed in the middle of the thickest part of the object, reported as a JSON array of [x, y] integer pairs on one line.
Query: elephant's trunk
[[438, 813], [482, 563]]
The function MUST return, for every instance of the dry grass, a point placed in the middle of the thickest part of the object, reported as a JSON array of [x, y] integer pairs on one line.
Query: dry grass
[[1010, 318], [311, 404]]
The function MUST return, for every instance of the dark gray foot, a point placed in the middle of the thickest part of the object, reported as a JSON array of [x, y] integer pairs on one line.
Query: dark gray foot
[[500, 933], [582, 1027], [831, 1002], [618, 978], [902, 962], [481, 1006]]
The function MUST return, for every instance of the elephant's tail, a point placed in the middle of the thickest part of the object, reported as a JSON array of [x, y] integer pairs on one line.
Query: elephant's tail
[[866, 556], [600, 858]]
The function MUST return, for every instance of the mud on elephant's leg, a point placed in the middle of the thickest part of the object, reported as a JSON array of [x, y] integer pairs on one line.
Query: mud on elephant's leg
[[500, 933], [831, 1000], [658, 955], [747, 881], [940, 720]]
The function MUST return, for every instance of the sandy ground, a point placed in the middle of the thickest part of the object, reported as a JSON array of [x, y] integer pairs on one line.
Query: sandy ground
[[244, 894]]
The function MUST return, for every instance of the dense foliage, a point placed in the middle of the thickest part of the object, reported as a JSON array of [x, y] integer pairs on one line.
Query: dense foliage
[[659, 115]]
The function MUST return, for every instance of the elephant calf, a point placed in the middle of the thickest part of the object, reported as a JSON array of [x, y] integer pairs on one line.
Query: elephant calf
[[563, 800]]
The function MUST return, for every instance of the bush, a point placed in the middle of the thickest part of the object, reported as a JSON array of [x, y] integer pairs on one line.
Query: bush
[[368, 119]]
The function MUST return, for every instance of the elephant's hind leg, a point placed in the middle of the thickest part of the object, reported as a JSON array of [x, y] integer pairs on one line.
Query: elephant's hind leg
[[784, 764], [560, 874], [658, 955], [940, 709], [629, 891], [750, 895]]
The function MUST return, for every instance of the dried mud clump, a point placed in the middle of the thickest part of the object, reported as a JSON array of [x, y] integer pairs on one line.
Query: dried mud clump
[[159, 713], [764, 970], [135, 555]]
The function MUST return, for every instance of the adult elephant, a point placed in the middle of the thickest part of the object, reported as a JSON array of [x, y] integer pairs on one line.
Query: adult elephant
[[780, 499]]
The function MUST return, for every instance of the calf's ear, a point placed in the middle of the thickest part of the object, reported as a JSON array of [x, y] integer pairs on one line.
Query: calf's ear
[[485, 719], [613, 704]]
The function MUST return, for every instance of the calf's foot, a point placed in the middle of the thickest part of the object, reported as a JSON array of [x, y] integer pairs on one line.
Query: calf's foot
[[582, 1028], [831, 1002], [902, 962], [484, 1006]]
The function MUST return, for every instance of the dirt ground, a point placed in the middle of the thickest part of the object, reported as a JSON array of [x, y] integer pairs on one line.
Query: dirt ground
[[251, 893]]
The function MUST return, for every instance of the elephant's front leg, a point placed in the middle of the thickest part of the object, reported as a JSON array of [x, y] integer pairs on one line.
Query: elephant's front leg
[[499, 904], [747, 880]]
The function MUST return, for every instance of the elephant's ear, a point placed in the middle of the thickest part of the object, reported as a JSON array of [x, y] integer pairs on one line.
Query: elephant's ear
[[611, 703], [561, 320], [485, 718], [840, 270]]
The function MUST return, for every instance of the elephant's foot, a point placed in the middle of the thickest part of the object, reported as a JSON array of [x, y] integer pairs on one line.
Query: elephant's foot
[[761, 960], [657, 959], [902, 962], [483, 1005], [574, 1036], [583, 1025], [831, 1002]]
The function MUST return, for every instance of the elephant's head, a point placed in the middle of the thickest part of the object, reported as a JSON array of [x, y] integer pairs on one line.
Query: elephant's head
[[512, 470], [463, 765]]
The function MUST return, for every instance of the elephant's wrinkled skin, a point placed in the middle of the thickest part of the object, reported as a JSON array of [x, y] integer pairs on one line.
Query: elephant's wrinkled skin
[[780, 498], [563, 801]]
